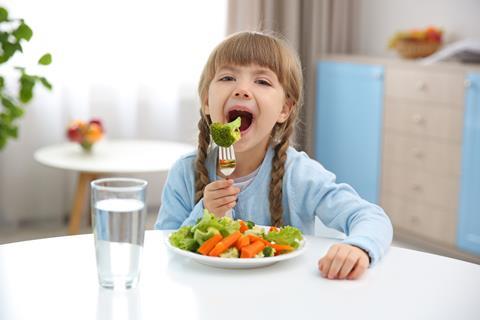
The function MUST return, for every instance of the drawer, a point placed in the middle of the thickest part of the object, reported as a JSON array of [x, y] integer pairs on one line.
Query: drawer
[[425, 120], [428, 155], [425, 86], [393, 207], [421, 219], [420, 186]]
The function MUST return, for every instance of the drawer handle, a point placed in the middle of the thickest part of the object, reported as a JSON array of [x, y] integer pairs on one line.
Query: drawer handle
[[414, 220], [421, 86], [417, 187], [418, 119], [417, 153]]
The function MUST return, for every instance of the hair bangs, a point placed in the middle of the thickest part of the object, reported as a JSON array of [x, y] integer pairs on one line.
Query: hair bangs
[[250, 48]]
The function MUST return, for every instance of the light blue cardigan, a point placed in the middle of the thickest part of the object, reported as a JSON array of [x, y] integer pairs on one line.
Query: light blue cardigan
[[309, 190]]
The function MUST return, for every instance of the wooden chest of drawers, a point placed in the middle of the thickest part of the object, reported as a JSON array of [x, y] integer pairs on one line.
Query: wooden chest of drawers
[[427, 176], [423, 119]]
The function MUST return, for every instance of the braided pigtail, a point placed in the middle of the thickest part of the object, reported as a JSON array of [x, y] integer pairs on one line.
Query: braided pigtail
[[284, 131], [201, 173]]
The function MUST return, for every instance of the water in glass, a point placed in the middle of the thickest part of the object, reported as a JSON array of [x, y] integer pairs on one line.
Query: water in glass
[[119, 232]]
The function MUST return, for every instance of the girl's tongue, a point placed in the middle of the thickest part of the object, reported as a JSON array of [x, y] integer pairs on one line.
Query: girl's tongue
[[246, 117], [246, 122]]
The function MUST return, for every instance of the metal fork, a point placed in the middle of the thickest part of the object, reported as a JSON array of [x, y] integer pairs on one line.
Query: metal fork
[[227, 163], [226, 160]]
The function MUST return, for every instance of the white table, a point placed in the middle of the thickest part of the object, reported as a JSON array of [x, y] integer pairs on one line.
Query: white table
[[56, 278], [108, 157]]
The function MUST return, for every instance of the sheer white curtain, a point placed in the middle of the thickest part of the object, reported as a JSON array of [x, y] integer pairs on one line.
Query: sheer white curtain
[[134, 64]]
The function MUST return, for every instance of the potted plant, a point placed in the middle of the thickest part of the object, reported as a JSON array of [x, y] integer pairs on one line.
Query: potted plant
[[13, 34]]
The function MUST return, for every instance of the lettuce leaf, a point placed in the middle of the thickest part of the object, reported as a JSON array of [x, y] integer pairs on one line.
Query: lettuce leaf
[[183, 239], [201, 236], [229, 226], [287, 235], [225, 225]]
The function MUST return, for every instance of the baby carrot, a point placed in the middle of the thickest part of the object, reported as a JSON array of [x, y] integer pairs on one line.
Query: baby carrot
[[243, 226], [242, 242], [254, 238], [226, 243], [280, 248], [209, 244], [251, 250]]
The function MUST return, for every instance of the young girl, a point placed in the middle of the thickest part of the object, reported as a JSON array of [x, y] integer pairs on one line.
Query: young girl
[[259, 78]]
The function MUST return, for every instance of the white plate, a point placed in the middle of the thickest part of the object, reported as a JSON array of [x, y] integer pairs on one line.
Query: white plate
[[233, 263]]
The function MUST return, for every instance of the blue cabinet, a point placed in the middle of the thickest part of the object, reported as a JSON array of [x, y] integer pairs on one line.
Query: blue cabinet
[[349, 124], [468, 234]]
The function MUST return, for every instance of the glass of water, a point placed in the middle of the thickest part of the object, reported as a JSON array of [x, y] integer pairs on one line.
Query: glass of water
[[118, 219]]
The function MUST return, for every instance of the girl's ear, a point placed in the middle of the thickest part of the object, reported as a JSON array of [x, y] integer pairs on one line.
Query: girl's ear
[[206, 108], [286, 110]]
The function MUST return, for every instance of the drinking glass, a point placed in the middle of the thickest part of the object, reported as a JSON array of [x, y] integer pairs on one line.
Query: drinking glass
[[118, 220]]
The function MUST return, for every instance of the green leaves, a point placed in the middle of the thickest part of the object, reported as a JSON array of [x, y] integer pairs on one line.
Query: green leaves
[[46, 59], [12, 111], [11, 38], [13, 32], [45, 83], [3, 14], [9, 50], [23, 32], [27, 83]]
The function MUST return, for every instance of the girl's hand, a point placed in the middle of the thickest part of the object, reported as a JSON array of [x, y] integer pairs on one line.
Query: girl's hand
[[343, 261], [220, 196]]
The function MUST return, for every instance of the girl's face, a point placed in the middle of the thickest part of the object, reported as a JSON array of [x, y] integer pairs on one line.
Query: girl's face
[[252, 93]]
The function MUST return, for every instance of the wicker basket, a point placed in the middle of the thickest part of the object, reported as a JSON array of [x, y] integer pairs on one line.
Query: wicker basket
[[416, 49]]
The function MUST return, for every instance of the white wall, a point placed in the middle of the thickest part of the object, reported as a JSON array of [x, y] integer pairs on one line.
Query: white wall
[[376, 20]]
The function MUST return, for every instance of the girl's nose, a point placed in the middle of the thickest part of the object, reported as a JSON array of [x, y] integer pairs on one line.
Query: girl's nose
[[241, 94]]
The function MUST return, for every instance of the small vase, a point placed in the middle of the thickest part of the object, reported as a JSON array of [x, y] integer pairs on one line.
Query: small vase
[[86, 147]]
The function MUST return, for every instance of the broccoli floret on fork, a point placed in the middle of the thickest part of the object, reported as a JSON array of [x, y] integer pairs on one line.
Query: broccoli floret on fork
[[226, 134]]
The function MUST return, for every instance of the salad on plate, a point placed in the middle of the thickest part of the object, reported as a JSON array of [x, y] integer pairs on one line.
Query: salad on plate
[[227, 238]]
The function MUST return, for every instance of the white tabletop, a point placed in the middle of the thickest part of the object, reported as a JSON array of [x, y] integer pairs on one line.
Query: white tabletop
[[114, 156], [56, 278]]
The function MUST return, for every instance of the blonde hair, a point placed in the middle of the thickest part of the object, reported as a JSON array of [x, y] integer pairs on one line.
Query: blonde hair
[[265, 50]]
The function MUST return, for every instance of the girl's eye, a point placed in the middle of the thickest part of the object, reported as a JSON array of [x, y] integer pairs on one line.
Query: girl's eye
[[263, 82], [227, 78]]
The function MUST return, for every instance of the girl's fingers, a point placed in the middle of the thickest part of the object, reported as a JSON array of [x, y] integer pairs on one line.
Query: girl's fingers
[[343, 261], [219, 189], [231, 191], [325, 262], [223, 201], [219, 184], [219, 200], [359, 269], [338, 262], [221, 210], [348, 265]]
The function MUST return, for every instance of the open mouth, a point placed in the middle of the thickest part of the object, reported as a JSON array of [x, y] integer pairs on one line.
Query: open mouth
[[246, 117]]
